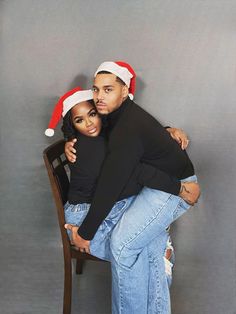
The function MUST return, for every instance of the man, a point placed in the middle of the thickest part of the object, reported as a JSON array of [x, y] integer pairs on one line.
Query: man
[[134, 136]]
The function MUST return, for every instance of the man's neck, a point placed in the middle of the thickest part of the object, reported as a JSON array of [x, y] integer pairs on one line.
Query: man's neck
[[114, 116]]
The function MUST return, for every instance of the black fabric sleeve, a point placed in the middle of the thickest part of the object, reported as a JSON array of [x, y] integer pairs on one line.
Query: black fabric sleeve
[[149, 176], [116, 170]]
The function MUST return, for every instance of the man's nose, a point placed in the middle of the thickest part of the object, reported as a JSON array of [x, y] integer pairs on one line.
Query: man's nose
[[100, 95]]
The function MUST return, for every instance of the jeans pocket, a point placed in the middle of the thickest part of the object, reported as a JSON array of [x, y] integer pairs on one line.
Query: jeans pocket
[[117, 209], [76, 207], [181, 208], [75, 217], [114, 216]]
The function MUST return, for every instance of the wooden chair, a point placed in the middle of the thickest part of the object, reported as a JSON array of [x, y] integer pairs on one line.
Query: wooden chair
[[58, 172]]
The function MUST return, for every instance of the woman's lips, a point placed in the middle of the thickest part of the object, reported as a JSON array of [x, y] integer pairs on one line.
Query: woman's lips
[[92, 131]]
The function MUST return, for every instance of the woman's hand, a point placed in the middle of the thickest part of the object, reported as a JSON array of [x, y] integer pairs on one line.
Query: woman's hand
[[179, 136], [70, 151], [80, 243]]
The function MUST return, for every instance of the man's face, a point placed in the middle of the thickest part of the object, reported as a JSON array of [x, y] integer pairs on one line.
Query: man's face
[[108, 93]]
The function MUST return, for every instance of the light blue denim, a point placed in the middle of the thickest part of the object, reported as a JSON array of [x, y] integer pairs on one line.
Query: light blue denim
[[100, 244], [138, 241]]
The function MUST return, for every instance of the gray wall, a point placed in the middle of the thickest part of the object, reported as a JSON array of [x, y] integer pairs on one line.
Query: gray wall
[[184, 55]]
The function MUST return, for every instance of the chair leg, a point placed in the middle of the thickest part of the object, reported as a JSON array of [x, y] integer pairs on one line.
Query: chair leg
[[79, 266], [67, 287]]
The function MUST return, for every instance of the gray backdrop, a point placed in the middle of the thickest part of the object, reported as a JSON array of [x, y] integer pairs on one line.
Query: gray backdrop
[[184, 53]]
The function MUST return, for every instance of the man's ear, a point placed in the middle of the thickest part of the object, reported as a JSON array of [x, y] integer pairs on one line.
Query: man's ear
[[125, 91]]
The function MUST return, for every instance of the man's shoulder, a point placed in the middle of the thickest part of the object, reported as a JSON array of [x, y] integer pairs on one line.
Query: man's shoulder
[[138, 119], [139, 110]]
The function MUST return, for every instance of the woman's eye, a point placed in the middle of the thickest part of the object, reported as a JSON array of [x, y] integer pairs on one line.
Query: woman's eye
[[79, 121], [93, 114]]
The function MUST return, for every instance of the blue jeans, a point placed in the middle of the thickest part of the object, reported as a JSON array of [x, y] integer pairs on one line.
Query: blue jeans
[[138, 241], [100, 244]]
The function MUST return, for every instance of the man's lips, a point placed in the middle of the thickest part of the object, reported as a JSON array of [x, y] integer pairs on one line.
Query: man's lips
[[100, 104]]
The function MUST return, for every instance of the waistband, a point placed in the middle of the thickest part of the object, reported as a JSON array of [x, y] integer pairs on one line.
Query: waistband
[[190, 179]]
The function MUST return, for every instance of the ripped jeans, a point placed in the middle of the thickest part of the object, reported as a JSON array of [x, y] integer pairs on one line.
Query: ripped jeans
[[100, 244], [138, 242]]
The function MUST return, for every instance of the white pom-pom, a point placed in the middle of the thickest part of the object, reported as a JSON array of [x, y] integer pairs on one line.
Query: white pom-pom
[[131, 96], [49, 132]]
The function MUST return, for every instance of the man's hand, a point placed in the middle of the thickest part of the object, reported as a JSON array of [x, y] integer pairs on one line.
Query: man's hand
[[190, 192], [80, 243], [179, 136], [70, 151]]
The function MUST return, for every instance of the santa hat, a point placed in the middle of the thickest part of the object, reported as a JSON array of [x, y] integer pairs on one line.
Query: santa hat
[[65, 103], [122, 70]]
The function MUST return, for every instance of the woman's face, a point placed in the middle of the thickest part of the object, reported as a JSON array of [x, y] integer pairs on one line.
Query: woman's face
[[85, 119]]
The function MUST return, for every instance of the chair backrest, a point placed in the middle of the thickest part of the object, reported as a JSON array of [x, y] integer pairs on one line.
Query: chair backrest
[[58, 172], [59, 176]]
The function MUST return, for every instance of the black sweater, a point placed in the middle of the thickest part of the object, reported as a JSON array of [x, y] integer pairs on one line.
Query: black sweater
[[134, 136], [85, 172]]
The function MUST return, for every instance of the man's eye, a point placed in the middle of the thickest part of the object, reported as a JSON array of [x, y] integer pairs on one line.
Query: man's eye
[[108, 90], [94, 90]]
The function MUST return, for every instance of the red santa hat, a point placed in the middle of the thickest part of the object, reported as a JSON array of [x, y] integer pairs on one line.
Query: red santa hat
[[65, 103], [122, 70]]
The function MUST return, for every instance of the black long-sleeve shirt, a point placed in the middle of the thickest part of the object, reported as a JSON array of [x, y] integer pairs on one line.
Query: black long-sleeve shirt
[[134, 136], [85, 172]]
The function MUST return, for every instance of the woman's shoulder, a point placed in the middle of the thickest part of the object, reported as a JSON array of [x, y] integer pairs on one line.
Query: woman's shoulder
[[89, 145]]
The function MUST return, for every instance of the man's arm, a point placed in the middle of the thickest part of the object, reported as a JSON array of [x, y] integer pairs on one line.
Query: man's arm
[[154, 178], [124, 155], [177, 134], [116, 170], [149, 176]]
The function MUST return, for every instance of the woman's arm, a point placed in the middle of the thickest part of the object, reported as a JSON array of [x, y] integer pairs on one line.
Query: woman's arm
[[179, 136], [70, 151]]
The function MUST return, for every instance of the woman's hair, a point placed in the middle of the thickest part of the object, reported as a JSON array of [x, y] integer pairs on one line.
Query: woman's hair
[[68, 128]]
